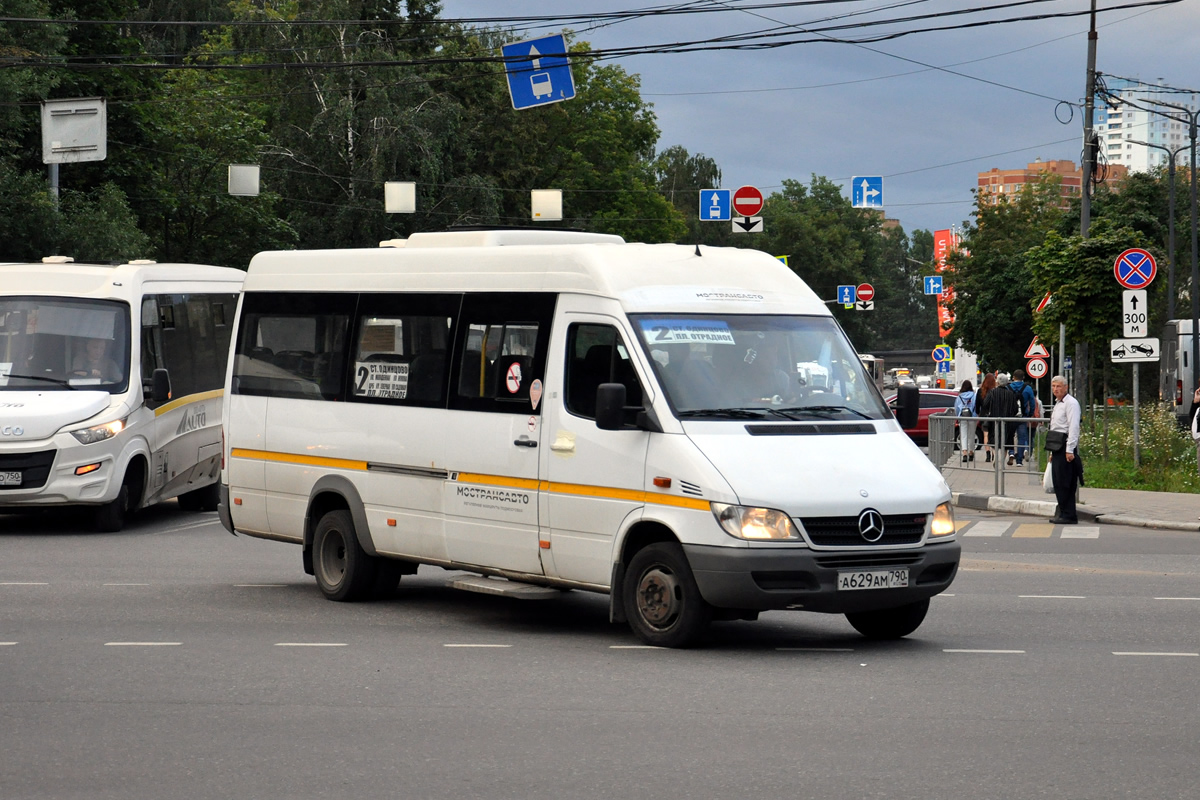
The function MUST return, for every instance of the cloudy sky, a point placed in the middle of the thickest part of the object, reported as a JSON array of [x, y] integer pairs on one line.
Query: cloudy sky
[[927, 111]]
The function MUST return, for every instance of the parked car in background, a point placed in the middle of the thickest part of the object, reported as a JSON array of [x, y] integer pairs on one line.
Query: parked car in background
[[933, 401]]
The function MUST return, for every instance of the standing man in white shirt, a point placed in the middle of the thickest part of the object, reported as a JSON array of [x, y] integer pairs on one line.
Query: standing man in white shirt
[[1065, 465]]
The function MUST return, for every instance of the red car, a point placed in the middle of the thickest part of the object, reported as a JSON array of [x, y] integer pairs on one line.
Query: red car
[[933, 401]]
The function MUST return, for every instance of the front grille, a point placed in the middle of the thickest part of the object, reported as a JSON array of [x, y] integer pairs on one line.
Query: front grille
[[34, 468], [823, 429], [843, 531]]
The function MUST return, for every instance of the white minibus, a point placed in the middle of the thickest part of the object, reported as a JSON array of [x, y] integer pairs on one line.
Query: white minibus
[[551, 410], [111, 382]]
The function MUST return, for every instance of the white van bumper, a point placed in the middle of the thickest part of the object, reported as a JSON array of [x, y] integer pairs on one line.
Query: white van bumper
[[761, 579], [48, 473]]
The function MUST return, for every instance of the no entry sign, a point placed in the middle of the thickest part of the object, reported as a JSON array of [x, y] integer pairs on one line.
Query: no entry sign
[[747, 201], [865, 291]]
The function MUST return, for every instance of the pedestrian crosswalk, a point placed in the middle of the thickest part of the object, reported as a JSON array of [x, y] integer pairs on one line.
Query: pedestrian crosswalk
[[1028, 530]]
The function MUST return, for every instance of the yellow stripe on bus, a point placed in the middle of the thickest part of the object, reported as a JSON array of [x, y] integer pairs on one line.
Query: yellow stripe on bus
[[186, 399], [292, 458], [529, 484]]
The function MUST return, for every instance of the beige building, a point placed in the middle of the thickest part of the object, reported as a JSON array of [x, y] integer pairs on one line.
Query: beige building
[[998, 184]]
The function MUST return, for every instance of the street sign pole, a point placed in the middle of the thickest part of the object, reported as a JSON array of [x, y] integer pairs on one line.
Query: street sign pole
[[1137, 444]]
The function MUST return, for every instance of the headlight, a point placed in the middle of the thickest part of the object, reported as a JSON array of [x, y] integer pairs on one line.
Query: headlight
[[754, 523], [99, 433], [943, 521]]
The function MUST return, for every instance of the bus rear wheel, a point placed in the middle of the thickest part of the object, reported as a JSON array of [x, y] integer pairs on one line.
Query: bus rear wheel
[[343, 569]]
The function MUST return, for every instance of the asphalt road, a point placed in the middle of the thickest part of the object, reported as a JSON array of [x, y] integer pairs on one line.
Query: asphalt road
[[173, 660]]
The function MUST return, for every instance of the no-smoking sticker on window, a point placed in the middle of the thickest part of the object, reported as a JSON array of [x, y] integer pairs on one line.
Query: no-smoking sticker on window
[[513, 379]]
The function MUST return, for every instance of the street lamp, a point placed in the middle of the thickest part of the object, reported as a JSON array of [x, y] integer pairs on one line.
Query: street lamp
[[1195, 290], [1173, 154]]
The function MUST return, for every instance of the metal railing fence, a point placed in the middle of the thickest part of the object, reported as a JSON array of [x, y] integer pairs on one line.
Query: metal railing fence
[[945, 435]]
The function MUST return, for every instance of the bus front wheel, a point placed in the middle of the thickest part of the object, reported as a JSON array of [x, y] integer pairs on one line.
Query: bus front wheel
[[343, 569], [661, 598]]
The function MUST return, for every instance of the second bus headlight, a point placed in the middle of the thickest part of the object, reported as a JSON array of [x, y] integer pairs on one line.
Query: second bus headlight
[[943, 521], [99, 433], [758, 524]]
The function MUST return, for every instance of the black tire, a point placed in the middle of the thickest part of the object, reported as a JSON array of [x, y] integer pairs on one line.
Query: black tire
[[661, 599], [343, 570], [890, 623], [387, 577], [205, 498], [111, 516]]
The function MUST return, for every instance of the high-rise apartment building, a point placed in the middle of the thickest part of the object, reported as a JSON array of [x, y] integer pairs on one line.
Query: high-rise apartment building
[[1118, 128]]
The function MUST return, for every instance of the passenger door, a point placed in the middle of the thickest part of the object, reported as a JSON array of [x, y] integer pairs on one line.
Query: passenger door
[[596, 478], [493, 430]]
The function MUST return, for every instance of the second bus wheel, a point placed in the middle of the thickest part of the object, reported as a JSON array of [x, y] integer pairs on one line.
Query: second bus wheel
[[661, 598], [343, 569]]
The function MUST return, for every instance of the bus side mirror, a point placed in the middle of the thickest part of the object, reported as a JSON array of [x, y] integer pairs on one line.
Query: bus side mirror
[[160, 386], [908, 405], [610, 406]]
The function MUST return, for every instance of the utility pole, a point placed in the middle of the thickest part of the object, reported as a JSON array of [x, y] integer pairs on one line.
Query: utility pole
[[1191, 115], [1085, 205]]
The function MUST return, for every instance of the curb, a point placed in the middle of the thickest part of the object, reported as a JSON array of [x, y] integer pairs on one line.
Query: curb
[[1044, 508]]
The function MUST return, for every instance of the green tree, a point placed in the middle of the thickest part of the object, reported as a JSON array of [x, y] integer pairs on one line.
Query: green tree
[[680, 177], [990, 274]]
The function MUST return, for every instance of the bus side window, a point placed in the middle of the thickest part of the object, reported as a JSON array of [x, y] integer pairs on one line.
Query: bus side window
[[501, 350], [596, 354], [401, 342]]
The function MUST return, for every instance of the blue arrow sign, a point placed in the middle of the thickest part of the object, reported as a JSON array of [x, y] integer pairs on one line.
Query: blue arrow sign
[[538, 72], [867, 192], [846, 295], [933, 284], [714, 205], [943, 366]]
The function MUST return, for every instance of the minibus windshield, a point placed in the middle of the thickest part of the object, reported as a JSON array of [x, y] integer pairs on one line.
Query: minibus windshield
[[59, 343], [758, 367]]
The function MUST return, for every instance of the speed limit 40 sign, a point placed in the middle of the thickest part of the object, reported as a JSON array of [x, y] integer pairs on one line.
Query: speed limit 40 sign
[[1036, 368]]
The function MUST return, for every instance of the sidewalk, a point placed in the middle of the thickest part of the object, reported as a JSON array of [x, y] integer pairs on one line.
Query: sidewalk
[[1023, 494]]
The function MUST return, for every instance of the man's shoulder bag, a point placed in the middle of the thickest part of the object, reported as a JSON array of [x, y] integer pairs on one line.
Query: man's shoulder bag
[[1056, 441]]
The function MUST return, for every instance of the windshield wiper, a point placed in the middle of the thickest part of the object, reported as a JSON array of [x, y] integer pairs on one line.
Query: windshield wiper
[[822, 411], [732, 413], [47, 378]]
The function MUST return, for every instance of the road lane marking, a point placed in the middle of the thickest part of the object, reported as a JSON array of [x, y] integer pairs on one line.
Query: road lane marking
[[1033, 530], [988, 528], [7, 644], [636, 647], [1155, 654], [959, 524], [816, 649], [1080, 532], [23, 583], [310, 644], [1177, 598], [126, 584], [987, 652], [1053, 596], [477, 645], [142, 644], [259, 585]]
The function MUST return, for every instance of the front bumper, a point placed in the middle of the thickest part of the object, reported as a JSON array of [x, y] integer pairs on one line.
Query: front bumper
[[777, 578]]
